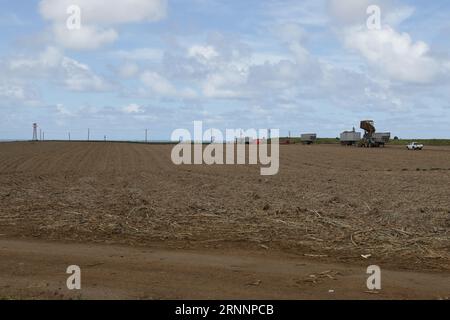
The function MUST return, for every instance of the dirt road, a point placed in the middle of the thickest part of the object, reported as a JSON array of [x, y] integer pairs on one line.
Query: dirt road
[[36, 269]]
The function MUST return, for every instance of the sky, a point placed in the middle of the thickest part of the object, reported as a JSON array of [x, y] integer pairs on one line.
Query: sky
[[298, 66]]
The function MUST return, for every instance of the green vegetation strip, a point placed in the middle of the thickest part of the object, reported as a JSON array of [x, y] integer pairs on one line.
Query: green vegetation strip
[[401, 142]]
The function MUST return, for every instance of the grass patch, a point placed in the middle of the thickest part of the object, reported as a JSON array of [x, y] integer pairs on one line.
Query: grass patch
[[318, 141], [425, 142], [400, 142]]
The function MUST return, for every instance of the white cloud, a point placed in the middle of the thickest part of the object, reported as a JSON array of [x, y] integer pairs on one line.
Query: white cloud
[[282, 74], [63, 110], [350, 12], [128, 70], [290, 32], [394, 53], [51, 64], [354, 12], [98, 17], [391, 54], [162, 87], [12, 92], [227, 83], [79, 77], [396, 17], [133, 108], [263, 57], [88, 37], [203, 52], [188, 93], [158, 84], [105, 12]]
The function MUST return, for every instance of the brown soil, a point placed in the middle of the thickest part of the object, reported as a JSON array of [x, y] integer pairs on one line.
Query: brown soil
[[328, 203], [37, 270]]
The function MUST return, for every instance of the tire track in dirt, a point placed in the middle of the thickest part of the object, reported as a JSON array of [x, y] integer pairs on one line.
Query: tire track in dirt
[[36, 269]]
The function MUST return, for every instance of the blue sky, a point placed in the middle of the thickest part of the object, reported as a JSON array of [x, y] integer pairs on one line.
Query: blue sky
[[300, 66]]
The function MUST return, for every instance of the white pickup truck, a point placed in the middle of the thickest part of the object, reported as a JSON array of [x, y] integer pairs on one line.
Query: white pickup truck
[[414, 146]]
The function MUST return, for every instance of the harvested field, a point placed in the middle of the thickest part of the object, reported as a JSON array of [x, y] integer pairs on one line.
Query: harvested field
[[328, 202], [329, 213]]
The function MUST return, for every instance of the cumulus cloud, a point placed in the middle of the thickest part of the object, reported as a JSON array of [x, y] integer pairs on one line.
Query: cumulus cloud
[[133, 109], [350, 12], [98, 18], [162, 87], [278, 75], [79, 77], [128, 70], [203, 52], [88, 37], [225, 84], [291, 32], [354, 12], [54, 66], [157, 83], [399, 15], [10, 92], [226, 69], [396, 54], [237, 73], [62, 110], [283, 60], [106, 12], [390, 53]]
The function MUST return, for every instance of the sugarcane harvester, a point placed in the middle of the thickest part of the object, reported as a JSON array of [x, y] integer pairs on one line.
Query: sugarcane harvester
[[371, 138]]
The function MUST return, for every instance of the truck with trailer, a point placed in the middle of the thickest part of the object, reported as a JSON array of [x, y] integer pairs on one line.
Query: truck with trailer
[[308, 138], [371, 138], [381, 138], [350, 138]]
